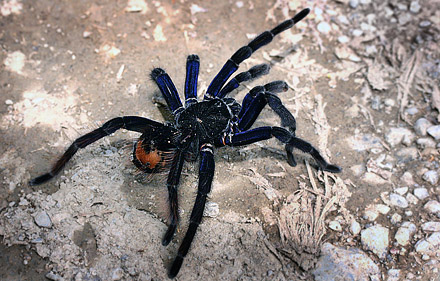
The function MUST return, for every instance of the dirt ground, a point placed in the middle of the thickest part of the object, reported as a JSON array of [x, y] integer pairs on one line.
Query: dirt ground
[[69, 66]]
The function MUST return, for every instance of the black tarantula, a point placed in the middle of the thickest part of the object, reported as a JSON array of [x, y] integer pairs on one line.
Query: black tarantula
[[200, 126]]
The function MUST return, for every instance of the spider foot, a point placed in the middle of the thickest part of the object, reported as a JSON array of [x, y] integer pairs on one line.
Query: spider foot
[[169, 235], [41, 179], [175, 267]]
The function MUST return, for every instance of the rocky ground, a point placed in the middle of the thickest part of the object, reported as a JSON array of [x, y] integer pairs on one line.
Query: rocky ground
[[363, 82]]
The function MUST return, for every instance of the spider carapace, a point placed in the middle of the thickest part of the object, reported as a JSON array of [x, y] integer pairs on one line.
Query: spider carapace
[[200, 126]]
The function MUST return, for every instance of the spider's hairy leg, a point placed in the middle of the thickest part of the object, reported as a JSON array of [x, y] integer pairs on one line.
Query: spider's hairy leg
[[172, 184], [246, 51], [283, 135], [253, 73], [206, 174], [192, 74], [256, 100], [167, 89], [131, 123]]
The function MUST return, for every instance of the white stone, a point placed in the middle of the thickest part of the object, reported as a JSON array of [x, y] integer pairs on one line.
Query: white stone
[[414, 7], [432, 206], [412, 199], [355, 227], [401, 190], [324, 27], [433, 226], [393, 275], [335, 225], [429, 245], [395, 218], [404, 233], [398, 200], [431, 176], [426, 142], [375, 239], [434, 131], [421, 193]]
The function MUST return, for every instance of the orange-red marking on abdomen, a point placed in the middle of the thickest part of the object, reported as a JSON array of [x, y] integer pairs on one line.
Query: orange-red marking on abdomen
[[150, 159]]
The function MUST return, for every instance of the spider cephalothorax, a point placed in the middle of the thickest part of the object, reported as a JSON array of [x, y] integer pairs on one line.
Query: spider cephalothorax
[[199, 126]]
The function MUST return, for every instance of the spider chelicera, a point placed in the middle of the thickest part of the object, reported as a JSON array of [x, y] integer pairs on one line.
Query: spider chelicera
[[199, 126]]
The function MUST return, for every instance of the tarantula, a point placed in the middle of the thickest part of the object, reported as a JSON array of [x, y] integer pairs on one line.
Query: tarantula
[[199, 126]]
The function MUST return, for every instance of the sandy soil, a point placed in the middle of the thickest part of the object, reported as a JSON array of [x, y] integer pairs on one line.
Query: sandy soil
[[70, 66]]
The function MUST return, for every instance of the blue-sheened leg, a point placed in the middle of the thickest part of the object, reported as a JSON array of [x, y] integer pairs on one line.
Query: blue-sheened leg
[[252, 73], [256, 100], [283, 135], [192, 74], [246, 51], [206, 174], [168, 89]]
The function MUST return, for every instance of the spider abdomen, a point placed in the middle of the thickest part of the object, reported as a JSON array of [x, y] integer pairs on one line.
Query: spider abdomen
[[155, 149]]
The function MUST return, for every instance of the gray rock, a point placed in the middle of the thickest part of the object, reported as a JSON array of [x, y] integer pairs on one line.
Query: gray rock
[[343, 19], [421, 193], [117, 274], [434, 131], [421, 126], [433, 226], [375, 239], [414, 7], [398, 200], [395, 135], [407, 154], [432, 206], [340, 264], [431, 176], [42, 219], [425, 23], [407, 179], [426, 142]]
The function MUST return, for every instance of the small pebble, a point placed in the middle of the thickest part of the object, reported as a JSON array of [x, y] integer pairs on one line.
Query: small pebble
[[398, 200], [42, 219], [357, 32], [211, 210], [375, 239], [432, 206], [395, 136], [355, 227], [407, 179], [335, 225], [353, 3], [343, 39], [421, 126], [425, 23], [426, 142], [404, 18], [324, 27], [393, 275], [407, 154], [414, 7], [9, 102], [421, 193], [117, 274], [434, 131], [401, 190], [412, 110], [412, 199], [396, 218], [433, 226], [343, 19], [431, 176], [429, 245], [404, 233]]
